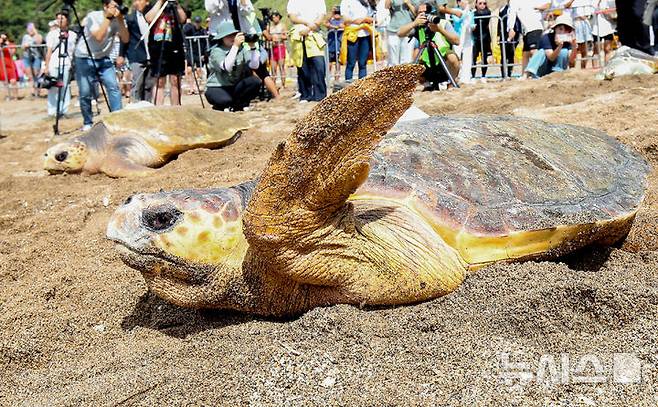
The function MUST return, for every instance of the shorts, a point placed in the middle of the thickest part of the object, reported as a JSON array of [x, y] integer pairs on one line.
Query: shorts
[[531, 40], [278, 52], [583, 31], [608, 37]]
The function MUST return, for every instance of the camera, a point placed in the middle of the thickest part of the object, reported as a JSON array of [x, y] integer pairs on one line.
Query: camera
[[433, 18], [251, 37], [124, 10]]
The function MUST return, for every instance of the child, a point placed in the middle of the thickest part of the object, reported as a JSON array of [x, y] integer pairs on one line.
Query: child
[[336, 26], [277, 33], [231, 84]]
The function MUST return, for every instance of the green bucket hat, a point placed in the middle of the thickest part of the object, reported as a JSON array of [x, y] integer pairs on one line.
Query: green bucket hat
[[224, 30]]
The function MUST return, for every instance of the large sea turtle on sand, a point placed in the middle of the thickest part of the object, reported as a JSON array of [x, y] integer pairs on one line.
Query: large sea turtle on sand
[[347, 211], [131, 143]]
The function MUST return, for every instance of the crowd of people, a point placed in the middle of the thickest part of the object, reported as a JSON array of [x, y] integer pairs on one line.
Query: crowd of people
[[238, 55]]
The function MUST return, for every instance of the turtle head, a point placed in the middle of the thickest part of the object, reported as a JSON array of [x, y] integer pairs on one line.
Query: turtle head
[[188, 245], [69, 156]]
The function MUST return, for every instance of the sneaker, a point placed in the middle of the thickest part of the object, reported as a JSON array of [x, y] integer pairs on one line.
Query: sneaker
[[86, 127], [303, 101], [297, 95]]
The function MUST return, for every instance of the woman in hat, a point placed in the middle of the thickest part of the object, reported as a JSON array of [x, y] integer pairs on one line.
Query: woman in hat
[[231, 82], [557, 50]]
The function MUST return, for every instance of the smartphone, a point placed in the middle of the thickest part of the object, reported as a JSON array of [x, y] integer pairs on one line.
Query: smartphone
[[563, 38]]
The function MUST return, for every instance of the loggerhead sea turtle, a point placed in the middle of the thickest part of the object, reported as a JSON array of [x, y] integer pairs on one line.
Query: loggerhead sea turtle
[[133, 142], [347, 213]]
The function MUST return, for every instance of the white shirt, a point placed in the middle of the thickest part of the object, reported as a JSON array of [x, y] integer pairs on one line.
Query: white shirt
[[52, 41], [101, 49], [219, 13], [307, 10], [582, 8], [601, 25], [354, 10], [531, 18], [143, 29]]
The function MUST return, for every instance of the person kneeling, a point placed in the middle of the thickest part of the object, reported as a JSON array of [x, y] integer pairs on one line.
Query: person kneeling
[[443, 37], [557, 50], [231, 84]]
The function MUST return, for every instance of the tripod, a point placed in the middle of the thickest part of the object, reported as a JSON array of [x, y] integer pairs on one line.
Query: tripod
[[70, 5], [62, 55], [170, 9], [433, 51]]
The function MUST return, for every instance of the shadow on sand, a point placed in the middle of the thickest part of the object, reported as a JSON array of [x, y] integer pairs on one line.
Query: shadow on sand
[[153, 313]]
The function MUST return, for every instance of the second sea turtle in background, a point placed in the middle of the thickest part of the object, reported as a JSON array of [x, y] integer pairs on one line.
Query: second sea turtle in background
[[132, 143]]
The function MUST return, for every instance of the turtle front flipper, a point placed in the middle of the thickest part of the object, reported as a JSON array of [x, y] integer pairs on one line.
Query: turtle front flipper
[[118, 166], [310, 176], [300, 226]]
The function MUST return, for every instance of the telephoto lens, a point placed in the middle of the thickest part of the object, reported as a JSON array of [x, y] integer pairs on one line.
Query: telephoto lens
[[433, 18]]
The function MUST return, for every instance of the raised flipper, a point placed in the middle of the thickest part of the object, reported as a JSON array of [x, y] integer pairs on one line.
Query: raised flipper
[[310, 176]]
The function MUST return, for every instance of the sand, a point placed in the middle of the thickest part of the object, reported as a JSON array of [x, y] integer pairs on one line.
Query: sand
[[78, 327]]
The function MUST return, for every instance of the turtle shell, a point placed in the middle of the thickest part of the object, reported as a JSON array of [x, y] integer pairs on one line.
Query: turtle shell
[[173, 129], [500, 188]]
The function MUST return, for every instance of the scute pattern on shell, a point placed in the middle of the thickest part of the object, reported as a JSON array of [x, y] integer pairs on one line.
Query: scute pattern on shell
[[495, 175]]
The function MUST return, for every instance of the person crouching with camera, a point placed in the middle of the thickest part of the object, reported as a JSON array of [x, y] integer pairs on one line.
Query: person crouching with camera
[[434, 34], [231, 83], [100, 27]]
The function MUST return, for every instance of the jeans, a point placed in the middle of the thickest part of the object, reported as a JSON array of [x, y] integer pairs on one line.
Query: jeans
[[234, 97], [358, 50], [400, 50], [53, 94], [311, 79], [87, 79], [540, 65]]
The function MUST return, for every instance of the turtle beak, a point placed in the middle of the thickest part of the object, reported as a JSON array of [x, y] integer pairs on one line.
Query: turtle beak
[[125, 228]]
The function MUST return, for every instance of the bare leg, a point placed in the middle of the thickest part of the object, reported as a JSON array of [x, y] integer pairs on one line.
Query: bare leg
[[271, 86], [582, 50], [282, 69], [159, 99], [453, 65], [175, 96]]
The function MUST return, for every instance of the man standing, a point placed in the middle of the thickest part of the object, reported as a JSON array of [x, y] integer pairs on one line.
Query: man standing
[[529, 12], [61, 44], [136, 51], [632, 30], [307, 17], [100, 27]]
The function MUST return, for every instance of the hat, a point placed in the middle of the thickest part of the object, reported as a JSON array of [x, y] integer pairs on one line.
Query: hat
[[564, 19], [197, 19], [276, 13], [224, 30]]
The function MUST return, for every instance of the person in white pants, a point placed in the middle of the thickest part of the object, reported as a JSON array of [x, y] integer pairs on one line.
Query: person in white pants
[[400, 49]]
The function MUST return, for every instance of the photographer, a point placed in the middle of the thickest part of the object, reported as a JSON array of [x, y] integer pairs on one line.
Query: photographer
[[167, 49], [136, 52], [557, 50], [100, 27], [231, 82], [52, 65], [442, 35]]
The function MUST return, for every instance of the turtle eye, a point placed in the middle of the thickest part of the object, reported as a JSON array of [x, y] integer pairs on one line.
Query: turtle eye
[[61, 157], [160, 218]]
